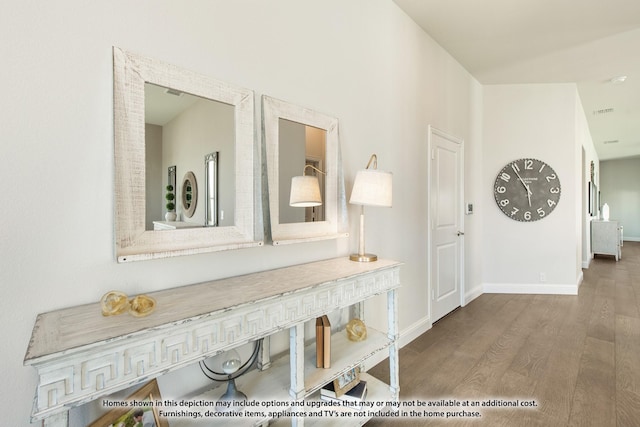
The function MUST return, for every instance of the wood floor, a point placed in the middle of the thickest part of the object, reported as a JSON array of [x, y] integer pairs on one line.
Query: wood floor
[[578, 357]]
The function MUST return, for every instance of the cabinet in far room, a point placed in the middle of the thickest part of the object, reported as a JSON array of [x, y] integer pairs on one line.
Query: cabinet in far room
[[606, 238]]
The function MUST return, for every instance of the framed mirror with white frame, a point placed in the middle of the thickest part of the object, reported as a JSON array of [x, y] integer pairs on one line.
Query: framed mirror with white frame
[[295, 138], [183, 138]]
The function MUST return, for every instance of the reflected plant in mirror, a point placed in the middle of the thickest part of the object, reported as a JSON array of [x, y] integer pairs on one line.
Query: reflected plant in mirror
[[296, 137], [171, 206], [166, 116]]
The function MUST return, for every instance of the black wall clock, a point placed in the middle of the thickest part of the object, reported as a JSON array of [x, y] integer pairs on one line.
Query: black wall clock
[[527, 190]]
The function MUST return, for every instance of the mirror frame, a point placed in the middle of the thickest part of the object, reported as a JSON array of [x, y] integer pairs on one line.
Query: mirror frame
[[133, 242], [335, 223]]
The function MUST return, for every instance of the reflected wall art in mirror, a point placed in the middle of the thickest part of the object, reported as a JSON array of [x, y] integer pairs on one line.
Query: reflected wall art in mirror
[[295, 137], [166, 116], [211, 190]]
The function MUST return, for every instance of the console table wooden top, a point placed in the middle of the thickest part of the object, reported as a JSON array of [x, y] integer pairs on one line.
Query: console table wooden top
[[84, 326]]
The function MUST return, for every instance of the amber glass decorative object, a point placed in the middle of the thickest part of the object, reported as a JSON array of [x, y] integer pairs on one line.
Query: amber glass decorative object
[[141, 306], [114, 302], [356, 330]]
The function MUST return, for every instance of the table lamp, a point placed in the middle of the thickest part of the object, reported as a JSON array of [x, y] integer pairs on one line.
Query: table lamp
[[372, 187]]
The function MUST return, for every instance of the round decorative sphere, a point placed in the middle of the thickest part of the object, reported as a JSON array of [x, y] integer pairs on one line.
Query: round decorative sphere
[[231, 363]]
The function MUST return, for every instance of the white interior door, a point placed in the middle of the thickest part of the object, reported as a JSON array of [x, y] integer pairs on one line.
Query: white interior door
[[447, 221]]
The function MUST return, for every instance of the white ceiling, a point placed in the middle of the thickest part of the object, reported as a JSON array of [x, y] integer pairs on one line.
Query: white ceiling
[[586, 42], [161, 105]]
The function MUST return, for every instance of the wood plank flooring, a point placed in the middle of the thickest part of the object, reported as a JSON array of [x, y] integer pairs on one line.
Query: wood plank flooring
[[577, 357]]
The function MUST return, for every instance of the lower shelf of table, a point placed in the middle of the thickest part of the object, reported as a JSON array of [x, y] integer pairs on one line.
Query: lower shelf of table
[[271, 386], [321, 414]]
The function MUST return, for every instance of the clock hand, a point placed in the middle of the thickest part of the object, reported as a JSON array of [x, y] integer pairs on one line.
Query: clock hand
[[529, 193]]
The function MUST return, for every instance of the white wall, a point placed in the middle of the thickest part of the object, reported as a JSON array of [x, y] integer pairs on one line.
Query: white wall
[[585, 156], [381, 76], [537, 121], [620, 189], [205, 127]]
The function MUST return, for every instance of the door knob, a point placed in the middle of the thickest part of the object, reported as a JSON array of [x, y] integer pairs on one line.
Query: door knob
[[460, 233]]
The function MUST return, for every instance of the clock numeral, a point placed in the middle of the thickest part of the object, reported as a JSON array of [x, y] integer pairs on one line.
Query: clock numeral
[[554, 190], [541, 212], [501, 189], [542, 167], [515, 167], [528, 164], [551, 203], [505, 177], [504, 202], [515, 211], [527, 215], [551, 177]]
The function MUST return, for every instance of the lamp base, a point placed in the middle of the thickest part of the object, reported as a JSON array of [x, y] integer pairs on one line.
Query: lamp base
[[232, 400], [363, 257]]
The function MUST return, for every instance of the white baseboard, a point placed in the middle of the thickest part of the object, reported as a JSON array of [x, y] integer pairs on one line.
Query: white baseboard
[[536, 288], [472, 294], [580, 279], [631, 239], [414, 331]]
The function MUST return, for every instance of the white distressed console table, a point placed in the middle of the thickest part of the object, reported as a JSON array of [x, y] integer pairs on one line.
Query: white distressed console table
[[81, 356]]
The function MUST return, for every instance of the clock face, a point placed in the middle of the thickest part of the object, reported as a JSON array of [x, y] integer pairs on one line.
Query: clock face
[[527, 190]]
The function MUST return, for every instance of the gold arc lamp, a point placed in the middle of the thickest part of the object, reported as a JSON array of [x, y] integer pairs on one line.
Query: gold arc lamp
[[305, 189], [371, 187]]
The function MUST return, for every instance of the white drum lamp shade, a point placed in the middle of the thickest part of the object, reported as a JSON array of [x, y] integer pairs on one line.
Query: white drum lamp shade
[[371, 187], [305, 191]]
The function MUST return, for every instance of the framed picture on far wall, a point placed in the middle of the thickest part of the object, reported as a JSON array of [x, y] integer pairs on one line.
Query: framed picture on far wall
[[593, 199], [144, 415]]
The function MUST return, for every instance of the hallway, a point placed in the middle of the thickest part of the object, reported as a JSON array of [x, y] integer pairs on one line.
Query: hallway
[[578, 357]]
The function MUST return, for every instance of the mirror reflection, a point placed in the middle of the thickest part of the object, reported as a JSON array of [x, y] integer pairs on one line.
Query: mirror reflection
[[300, 145], [180, 129], [295, 136]]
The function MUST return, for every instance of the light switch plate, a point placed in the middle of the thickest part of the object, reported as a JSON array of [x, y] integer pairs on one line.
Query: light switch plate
[[469, 208]]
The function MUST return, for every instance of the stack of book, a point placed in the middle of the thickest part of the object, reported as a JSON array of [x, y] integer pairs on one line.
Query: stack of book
[[356, 395]]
